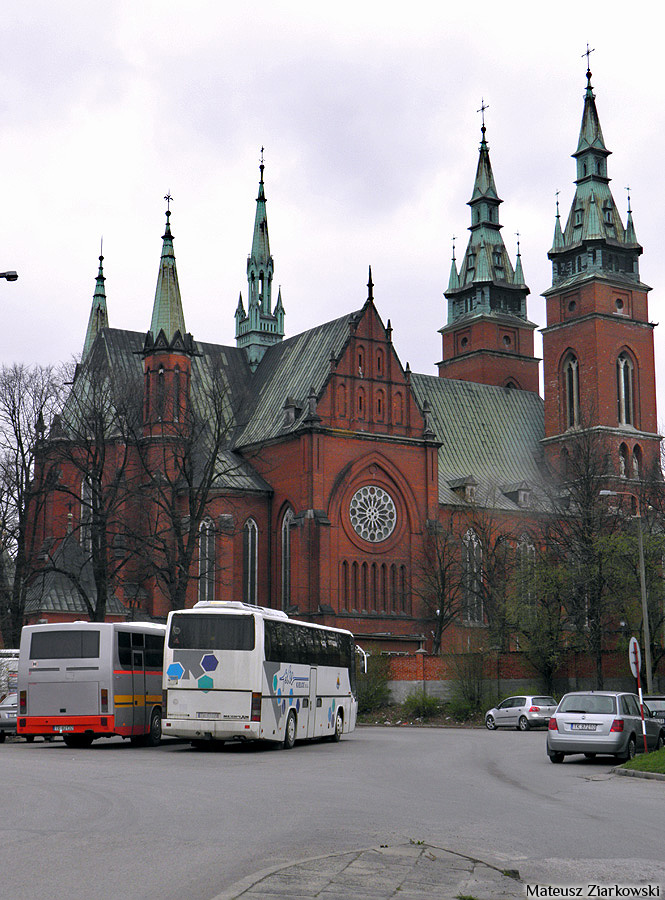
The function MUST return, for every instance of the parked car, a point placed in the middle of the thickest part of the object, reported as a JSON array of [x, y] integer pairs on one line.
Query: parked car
[[521, 712], [592, 722], [656, 705], [8, 709]]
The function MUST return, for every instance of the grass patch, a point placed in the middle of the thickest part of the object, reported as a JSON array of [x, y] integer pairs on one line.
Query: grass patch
[[648, 762]]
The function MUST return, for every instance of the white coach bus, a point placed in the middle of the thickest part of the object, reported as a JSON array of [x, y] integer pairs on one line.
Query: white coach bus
[[233, 671], [86, 680]]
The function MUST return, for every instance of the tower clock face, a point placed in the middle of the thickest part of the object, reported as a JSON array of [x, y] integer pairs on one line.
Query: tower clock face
[[372, 513]]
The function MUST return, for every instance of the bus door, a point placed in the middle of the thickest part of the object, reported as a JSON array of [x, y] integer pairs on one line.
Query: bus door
[[311, 719], [139, 724]]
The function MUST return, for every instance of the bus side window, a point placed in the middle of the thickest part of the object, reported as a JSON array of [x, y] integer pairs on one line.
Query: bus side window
[[137, 640], [307, 646], [125, 649], [154, 651]]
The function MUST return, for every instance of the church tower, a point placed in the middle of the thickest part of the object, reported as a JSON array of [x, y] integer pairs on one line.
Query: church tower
[[598, 344], [261, 326], [167, 349], [488, 338]]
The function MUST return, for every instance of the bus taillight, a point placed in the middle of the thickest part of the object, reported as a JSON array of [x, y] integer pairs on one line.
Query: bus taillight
[[105, 700], [23, 702], [256, 707]]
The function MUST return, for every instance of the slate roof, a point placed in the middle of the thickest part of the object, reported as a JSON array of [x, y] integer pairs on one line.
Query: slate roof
[[53, 591], [489, 434]]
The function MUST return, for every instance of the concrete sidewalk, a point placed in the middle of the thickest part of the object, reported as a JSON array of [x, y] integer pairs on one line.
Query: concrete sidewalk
[[402, 872]]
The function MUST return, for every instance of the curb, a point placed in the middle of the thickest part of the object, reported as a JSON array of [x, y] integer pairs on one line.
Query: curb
[[635, 773]]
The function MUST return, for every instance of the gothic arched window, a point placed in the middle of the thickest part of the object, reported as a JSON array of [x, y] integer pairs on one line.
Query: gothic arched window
[[176, 394], [625, 390], [472, 557], [161, 393], [286, 558], [571, 384], [206, 560], [637, 461], [623, 461], [250, 560], [526, 569]]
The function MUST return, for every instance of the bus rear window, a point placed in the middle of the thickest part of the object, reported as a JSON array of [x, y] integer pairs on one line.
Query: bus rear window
[[211, 632], [64, 645]]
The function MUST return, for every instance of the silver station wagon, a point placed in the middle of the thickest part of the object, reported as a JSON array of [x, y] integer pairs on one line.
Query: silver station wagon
[[521, 712], [607, 722]]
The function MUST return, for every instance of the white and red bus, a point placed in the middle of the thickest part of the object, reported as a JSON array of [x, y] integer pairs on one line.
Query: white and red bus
[[233, 671], [87, 680]]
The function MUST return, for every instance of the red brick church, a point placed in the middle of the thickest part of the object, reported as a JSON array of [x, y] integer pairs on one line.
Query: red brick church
[[336, 461]]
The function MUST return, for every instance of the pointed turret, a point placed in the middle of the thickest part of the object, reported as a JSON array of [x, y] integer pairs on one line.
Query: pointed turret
[[594, 221], [261, 326], [487, 316], [98, 314], [167, 314]]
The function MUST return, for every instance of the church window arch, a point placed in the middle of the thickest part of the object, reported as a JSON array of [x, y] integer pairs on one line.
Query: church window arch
[[526, 567], [472, 559], [380, 405], [344, 578], [250, 560], [147, 395], [286, 558], [361, 404], [379, 362], [637, 461], [625, 389], [364, 586], [354, 586], [384, 587], [398, 408], [161, 393], [571, 385], [623, 461], [206, 589], [176, 394]]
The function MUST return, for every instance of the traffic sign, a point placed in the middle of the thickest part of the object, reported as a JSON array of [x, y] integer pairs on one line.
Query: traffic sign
[[634, 657]]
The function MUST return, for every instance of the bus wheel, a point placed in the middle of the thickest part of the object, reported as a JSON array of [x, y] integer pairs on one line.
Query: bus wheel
[[30, 738], [78, 740], [154, 736], [339, 728], [290, 732]]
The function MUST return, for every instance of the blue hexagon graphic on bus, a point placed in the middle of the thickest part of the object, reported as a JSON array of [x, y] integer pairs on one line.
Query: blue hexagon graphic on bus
[[205, 683], [175, 670], [209, 662]]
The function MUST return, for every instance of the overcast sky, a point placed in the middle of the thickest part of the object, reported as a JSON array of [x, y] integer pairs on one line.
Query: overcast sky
[[368, 115]]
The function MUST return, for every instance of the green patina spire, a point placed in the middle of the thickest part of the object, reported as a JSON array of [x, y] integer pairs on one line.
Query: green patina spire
[[486, 283], [167, 314], [98, 314], [594, 241], [261, 326]]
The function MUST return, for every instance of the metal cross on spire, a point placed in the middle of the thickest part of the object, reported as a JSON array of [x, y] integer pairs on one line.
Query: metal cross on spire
[[483, 107], [557, 203], [517, 234], [628, 192], [168, 198], [588, 53]]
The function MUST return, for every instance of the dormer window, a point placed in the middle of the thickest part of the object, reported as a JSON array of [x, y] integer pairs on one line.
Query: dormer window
[[578, 217], [498, 259], [471, 262]]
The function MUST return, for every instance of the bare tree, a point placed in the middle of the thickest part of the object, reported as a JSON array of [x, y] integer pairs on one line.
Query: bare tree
[[439, 579], [91, 445], [29, 396]]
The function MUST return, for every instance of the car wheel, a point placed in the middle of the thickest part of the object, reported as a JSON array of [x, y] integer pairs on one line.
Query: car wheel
[[630, 750], [290, 732], [30, 738], [2, 737], [556, 757], [523, 723], [490, 723], [590, 755]]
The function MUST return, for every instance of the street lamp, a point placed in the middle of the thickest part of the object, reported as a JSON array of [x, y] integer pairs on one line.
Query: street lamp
[[643, 584], [10, 276]]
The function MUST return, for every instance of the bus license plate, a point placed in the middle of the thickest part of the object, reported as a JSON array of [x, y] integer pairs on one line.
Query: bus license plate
[[61, 728]]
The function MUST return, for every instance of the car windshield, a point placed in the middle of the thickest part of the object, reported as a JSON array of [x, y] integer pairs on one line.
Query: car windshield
[[544, 701], [10, 700], [656, 705], [588, 703]]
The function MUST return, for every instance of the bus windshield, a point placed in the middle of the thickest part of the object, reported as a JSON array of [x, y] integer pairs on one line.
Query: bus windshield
[[64, 645], [212, 632]]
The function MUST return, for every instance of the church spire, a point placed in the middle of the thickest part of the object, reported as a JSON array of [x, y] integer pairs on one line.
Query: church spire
[[167, 314], [98, 314], [262, 326]]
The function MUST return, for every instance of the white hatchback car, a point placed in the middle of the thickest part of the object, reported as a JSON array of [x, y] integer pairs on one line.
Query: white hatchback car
[[523, 712]]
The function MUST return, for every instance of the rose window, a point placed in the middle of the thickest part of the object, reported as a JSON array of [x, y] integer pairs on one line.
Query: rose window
[[372, 513]]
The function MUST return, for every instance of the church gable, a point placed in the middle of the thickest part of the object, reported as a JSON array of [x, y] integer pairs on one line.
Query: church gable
[[368, 390]]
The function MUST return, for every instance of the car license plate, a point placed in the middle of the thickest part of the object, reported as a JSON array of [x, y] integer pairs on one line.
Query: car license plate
[[582, 726], [61, 728]]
